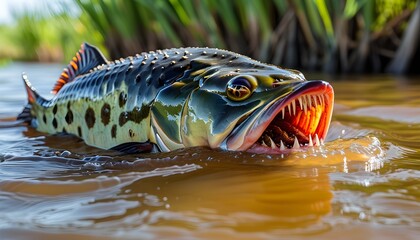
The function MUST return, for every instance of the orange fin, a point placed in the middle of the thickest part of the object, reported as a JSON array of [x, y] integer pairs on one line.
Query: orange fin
[[85, 60], [32, 94], [33, 97]]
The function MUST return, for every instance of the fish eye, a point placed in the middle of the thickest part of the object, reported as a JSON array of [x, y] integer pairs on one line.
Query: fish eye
[[239, 89]]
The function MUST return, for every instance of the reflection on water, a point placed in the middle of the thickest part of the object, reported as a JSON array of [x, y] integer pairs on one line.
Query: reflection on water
[[363, 183]]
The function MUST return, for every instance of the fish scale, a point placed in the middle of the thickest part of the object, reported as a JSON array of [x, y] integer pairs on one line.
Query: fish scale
[[161, 100]]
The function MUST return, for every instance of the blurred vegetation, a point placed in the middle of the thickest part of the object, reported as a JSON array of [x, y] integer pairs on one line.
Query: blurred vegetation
[[328, 35], [39, 35]]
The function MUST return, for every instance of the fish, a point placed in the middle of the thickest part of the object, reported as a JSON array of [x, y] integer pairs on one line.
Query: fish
[[164, 100]]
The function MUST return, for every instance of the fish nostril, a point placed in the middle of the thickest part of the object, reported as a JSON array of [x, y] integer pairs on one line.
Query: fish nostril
[[277, 82]]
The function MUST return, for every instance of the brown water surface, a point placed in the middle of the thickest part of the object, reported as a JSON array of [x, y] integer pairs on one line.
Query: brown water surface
[[363, 184]]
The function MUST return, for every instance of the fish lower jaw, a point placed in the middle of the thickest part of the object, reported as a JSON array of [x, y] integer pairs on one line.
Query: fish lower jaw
[[278, 148]]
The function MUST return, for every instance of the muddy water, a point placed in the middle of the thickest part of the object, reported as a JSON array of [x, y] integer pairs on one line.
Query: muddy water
[[363, 184]]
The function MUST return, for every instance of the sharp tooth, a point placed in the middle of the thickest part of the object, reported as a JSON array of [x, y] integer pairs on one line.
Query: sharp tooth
[[305, 108], [300, 103], [288, 107], [273, 145], [263, 144], [282, 113], [310, 144], [322, 142], [282, 147], [310, 101], [317, 140], [296, 144], [294, 107]]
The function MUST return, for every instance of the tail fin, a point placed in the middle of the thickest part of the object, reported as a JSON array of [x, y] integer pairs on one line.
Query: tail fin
[[26, 115]]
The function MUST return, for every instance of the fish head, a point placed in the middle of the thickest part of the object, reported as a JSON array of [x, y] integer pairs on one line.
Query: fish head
[[257, 109]]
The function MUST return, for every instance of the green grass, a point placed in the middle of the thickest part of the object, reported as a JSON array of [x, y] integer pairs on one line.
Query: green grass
[[46, 37], [331, 35]]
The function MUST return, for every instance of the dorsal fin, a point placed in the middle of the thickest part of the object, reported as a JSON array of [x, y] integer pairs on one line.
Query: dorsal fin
[[86, 59]]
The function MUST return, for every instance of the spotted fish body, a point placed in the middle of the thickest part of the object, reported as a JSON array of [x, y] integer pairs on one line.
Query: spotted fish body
[[171, 99]]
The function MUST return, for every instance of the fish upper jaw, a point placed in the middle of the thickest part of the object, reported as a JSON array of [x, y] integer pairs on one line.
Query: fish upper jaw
[[300, 119]]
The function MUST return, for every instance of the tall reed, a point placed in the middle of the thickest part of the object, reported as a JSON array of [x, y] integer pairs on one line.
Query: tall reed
[[331, 35]]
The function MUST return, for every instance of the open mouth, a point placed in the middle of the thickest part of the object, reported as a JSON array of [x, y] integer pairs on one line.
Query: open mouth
[[299, 120]]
